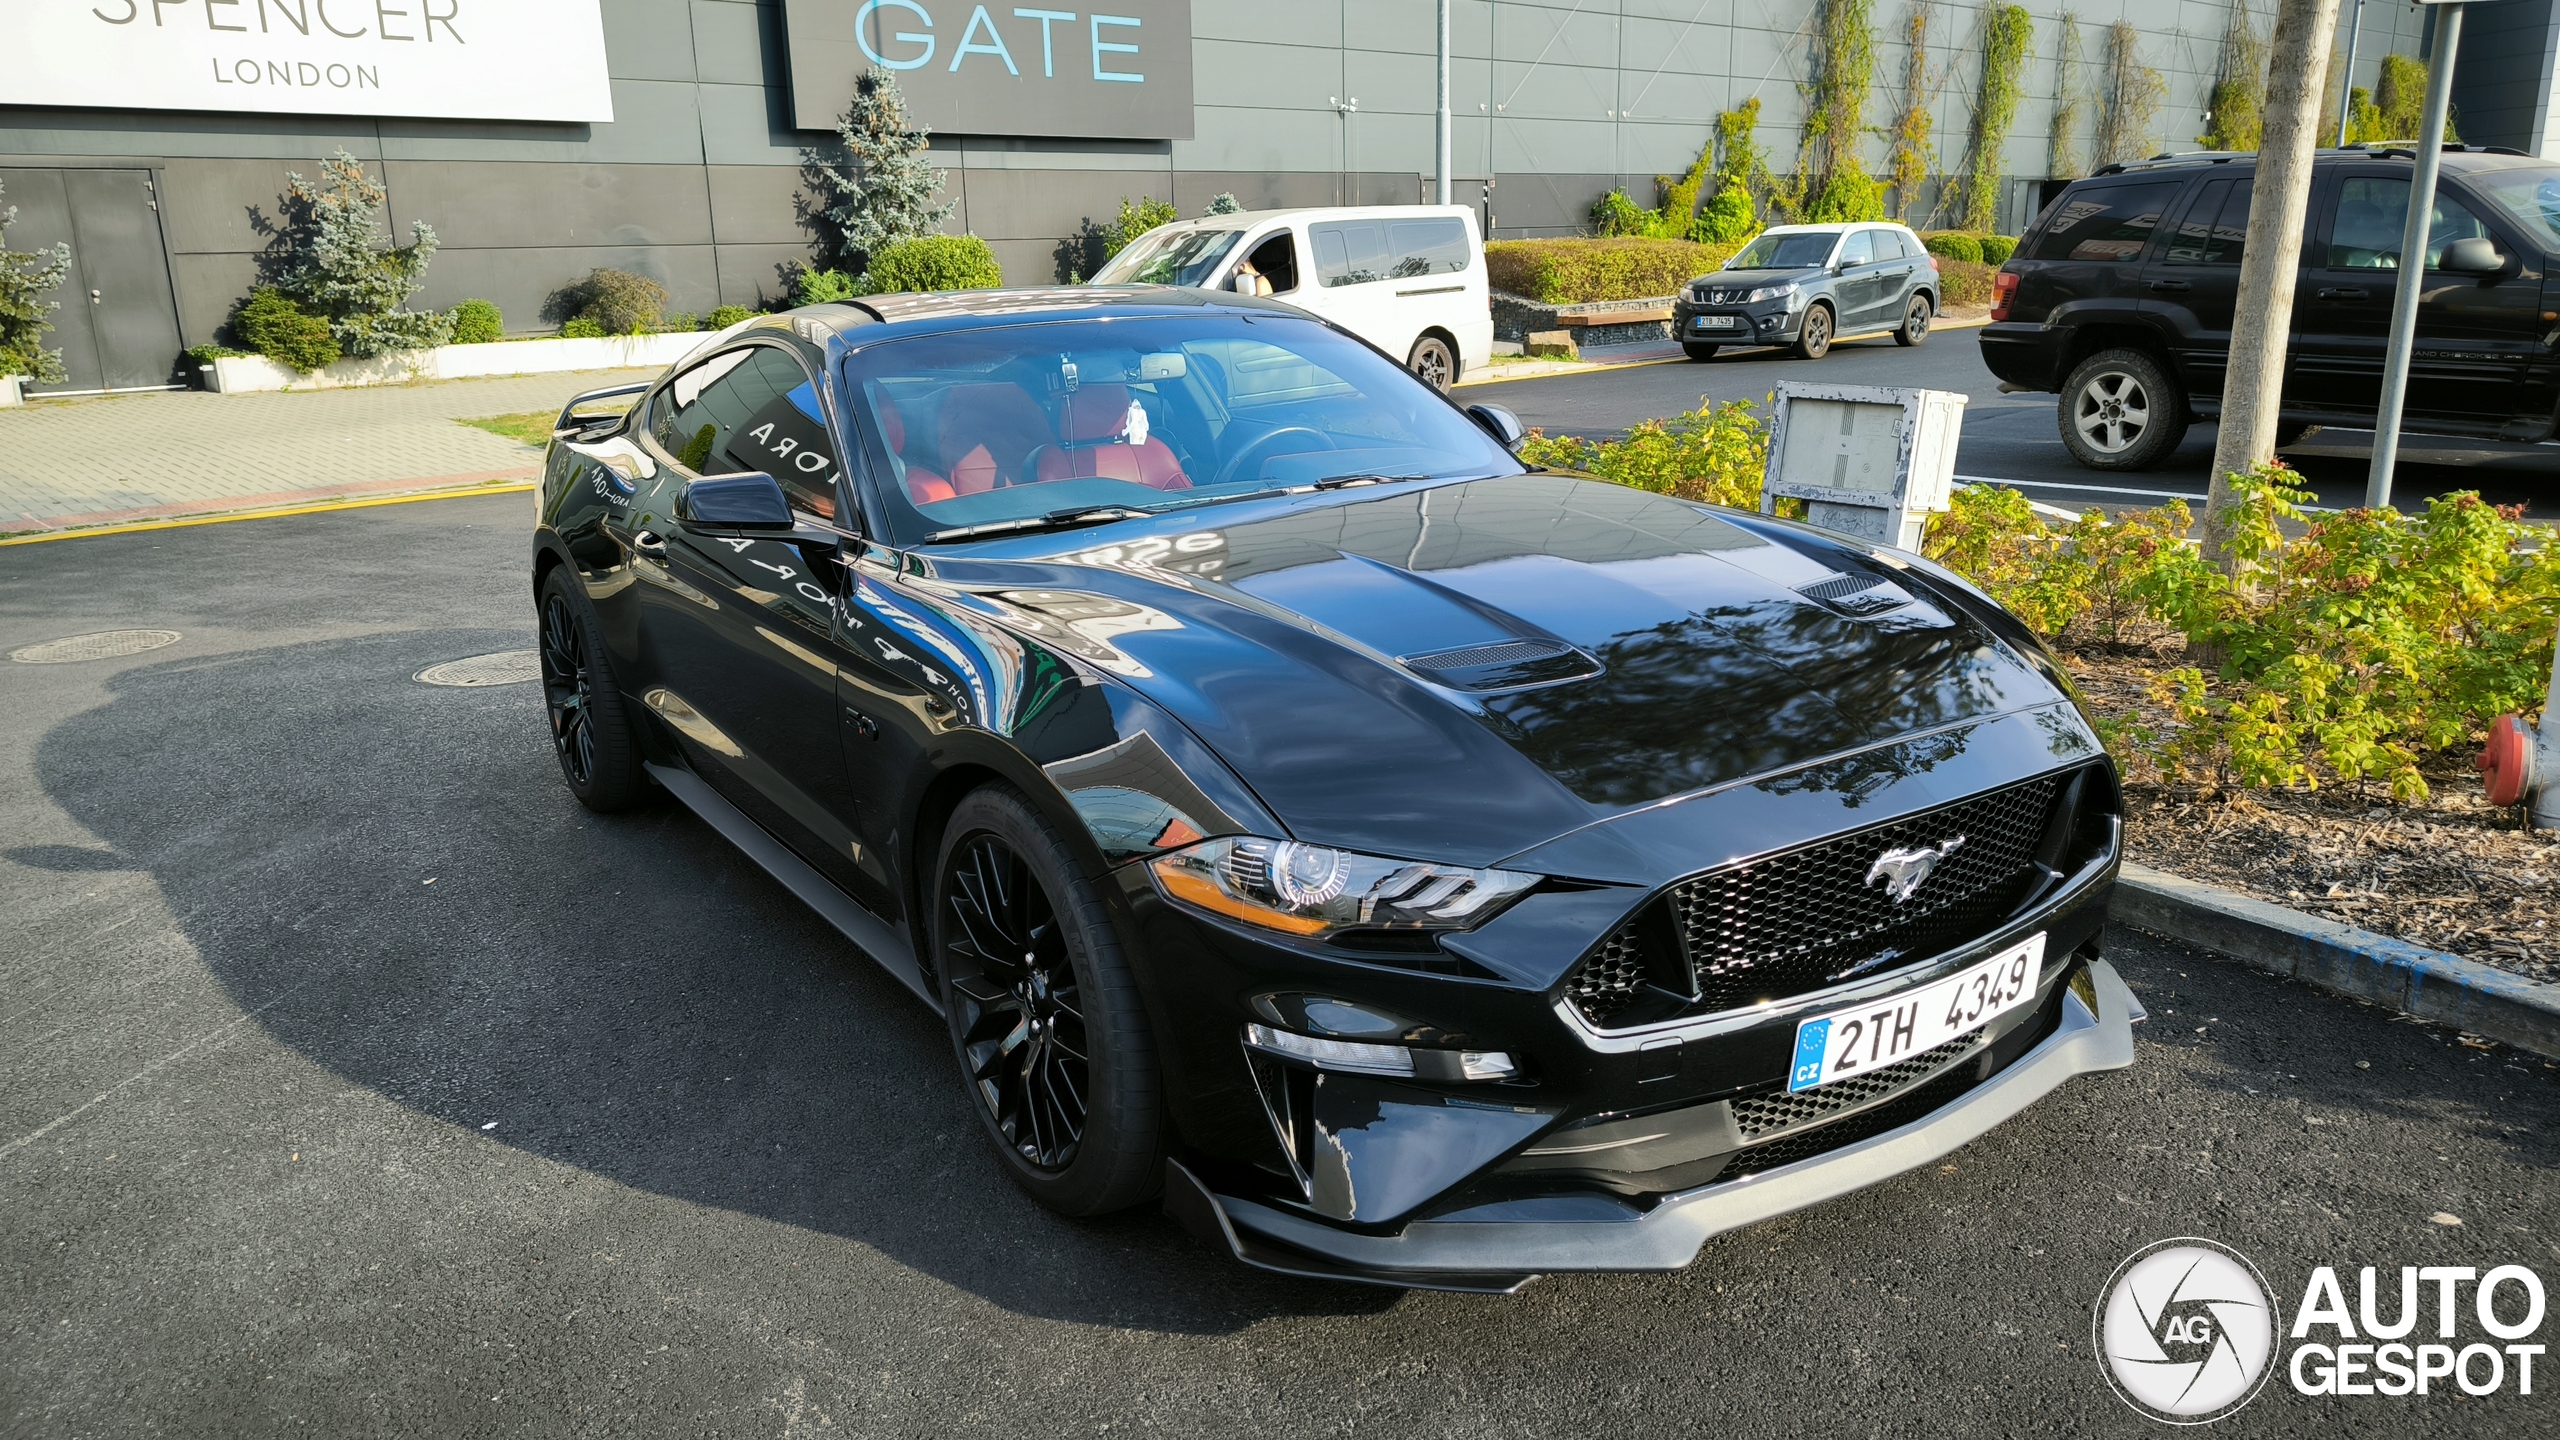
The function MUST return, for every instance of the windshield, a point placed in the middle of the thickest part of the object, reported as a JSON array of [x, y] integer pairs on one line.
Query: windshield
[[1800, 251], [1030, 423], [1169, 257], [2530, 193]]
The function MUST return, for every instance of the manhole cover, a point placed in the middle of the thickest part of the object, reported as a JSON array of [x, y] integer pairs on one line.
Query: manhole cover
[[507, 667], [104, 645]]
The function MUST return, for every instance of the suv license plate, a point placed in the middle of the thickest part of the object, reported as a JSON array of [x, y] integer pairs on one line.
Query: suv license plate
[[1714, 322], [1851, 1042]]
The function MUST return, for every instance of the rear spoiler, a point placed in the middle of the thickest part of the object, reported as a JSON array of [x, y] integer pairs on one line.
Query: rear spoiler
[[570, 418]]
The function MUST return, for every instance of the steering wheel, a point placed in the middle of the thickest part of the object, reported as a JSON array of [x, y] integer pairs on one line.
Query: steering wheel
[[1227, 472]]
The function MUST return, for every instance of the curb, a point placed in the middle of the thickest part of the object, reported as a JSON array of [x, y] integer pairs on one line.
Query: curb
[[2358, 964], [340, 499], [1540, 370]]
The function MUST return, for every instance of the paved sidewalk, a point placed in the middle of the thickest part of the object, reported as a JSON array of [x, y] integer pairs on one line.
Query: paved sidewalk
[[81, 463]]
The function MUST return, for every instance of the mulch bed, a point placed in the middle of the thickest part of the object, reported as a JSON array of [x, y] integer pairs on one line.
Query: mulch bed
[[2452, 872]]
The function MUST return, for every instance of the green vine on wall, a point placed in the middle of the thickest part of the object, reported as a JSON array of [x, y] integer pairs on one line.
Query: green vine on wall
[[1907, 162], [2238, 119], [2070, 99], [2129, 119], [1831, 181], [2008, 33], [1741, 165]]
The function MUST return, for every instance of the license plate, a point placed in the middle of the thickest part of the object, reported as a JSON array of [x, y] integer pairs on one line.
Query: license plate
[[1847, 1043], [1714, 322]]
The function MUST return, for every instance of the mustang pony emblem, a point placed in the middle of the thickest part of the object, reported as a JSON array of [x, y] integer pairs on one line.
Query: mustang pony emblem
[[1903, 869]]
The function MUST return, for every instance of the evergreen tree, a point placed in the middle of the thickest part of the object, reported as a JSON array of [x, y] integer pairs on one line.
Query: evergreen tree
[[332, 269], [25, 276], [883, 191]]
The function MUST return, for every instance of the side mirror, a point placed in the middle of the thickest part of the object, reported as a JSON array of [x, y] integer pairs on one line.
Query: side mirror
[[2476, 255], [753, 501], [1500, 423]]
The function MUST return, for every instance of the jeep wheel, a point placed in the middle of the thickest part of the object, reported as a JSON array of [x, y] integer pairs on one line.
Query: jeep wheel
[[1699, 352], [2121, 411]]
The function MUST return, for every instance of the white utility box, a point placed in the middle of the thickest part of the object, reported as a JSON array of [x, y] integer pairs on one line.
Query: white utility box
[[1867, 461]]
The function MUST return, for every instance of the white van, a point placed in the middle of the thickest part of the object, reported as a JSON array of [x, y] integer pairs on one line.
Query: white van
[[1408, 279]]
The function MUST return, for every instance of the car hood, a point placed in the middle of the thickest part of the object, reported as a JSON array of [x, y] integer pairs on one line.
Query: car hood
[[1704, 647]]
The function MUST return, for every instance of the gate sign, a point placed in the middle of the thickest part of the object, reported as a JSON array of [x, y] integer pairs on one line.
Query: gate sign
[[1000, 68], [442, 59]]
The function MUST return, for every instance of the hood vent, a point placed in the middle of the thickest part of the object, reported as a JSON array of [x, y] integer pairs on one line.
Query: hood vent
[[1503, 665], [1857, 594]]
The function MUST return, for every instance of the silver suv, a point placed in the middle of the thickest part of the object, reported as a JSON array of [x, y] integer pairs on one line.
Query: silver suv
[[1807, 285]]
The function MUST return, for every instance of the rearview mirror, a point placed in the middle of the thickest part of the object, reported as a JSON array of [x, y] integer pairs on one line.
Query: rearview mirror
[[753, 501], [2476, 255], [1499, 423]]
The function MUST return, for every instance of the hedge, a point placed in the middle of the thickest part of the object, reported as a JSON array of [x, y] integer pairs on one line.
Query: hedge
[[934, 262], [1965, 245], [1964, 282], [1575, 271]]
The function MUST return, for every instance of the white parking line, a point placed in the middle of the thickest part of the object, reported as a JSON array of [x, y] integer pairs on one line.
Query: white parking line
[[2099, 489]]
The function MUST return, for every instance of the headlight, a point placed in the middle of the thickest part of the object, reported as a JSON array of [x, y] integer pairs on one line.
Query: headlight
[[1317, 891], [1770, 292]]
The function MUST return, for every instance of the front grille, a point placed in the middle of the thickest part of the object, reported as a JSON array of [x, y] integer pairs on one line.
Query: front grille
[[1805, 919], [1804, 1144], [1764, 1115]]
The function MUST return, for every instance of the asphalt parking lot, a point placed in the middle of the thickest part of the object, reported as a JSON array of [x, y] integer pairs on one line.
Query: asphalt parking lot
[[2012, 438], [353, 1081]]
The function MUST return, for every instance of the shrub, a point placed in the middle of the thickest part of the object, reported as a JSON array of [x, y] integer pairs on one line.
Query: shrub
[[1615, 214], [1996, 249], [582, 328], [207, 354], [617, 301], [1715, 453], [1965, 283], [25, 277], [820, 287], [1954, 245], [935, 262], [727, 315], [1728, 220], [1136, 218], [328, 264], [271, 323], [1571, 272], [477, 322]]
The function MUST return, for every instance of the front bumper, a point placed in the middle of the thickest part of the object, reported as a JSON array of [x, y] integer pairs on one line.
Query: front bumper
[[1502, 1255], [1763, 324]]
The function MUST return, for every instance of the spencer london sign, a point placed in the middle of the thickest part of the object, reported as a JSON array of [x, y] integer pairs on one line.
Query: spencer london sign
[[1001, 68], [444, 59]]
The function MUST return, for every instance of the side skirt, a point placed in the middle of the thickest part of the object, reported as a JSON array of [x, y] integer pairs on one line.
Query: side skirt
[[886, 944]]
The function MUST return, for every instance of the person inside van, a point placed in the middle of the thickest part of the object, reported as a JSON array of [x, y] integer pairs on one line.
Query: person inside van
[[1249, 281]]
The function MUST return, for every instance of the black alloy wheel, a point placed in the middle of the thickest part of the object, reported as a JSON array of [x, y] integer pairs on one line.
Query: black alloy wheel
[[1814, 341], [1698, 352], [2121, 411], [1044, 1018], [1432, 363], [1915, 322], [590, 732]]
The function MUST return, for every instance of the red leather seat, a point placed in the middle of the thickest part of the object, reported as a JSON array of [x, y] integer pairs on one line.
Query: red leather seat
[[988, 435], [1096, 445], [923, 486]]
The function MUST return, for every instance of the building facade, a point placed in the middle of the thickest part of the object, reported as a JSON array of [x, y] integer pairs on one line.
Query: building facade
[[159, 135]]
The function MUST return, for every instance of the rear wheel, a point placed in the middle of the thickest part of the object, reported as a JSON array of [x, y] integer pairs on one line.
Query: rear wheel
[[1699, 352], [591, 730], [2121, 411], [1814, 341], [1044, 1017], [1915, 322], [2288, 436], [1433, 363]]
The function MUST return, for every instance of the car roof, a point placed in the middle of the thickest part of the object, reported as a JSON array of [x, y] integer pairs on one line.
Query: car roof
[[1834, 227], [1245, 219], [2459, 157]]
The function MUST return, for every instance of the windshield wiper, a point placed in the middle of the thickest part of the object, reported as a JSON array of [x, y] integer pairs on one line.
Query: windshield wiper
[[1067, 519], [1336, 482]]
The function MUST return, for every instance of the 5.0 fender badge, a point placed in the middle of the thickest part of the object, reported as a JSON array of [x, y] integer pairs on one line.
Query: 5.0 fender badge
[[1903, 869]]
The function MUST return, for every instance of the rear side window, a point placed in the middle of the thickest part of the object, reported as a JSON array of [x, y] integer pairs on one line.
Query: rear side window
[[2105, 223], [1891, 246], [2216, 227], [1356, 252], [1427, 247], [751, 409]]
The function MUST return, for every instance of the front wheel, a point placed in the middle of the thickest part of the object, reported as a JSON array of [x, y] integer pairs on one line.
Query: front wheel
[[2121, 411], [1433, 363], [1814, 341], [1915, 322], [591, 730], [1699, 352], [1044, 1016]]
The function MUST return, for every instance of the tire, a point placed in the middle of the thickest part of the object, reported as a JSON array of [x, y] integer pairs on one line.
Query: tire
[[2121, 411], [1698, 352], [591, 729], [2288, 436], [1433, 363], [1915, 322], [1814, 340], [1083, 1134]]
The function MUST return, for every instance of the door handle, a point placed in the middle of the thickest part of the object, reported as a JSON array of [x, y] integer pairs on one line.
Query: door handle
[[2179, 286], [2344, 292]]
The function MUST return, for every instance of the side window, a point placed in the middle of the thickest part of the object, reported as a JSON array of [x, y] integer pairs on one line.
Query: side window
[[1349, 252], [1427, 247], [1860, 249], [2365, 231], [751, 409], [2192, 243], [2112, 222], [1890, 246], [1277, 258]]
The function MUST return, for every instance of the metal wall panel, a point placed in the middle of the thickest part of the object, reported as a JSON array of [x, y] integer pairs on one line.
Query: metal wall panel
[[544, 206]]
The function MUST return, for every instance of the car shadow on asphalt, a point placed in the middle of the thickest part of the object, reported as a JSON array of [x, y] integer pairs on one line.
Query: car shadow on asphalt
[[628, 995]]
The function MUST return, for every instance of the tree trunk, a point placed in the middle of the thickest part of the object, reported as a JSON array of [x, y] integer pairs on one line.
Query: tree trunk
[[2253, 388]]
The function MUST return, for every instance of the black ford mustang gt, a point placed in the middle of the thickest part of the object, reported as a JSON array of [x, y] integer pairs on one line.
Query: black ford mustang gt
[[1412, 866]]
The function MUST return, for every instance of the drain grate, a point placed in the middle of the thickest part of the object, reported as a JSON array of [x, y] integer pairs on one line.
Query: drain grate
[[507, 667], [101, 645]]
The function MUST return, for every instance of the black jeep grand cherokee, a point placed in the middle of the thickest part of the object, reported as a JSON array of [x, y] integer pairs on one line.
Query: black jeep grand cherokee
[[2120, 299]]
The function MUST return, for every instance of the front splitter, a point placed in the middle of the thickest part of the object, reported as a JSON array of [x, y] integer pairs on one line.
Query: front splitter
[[1500, 1256]]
